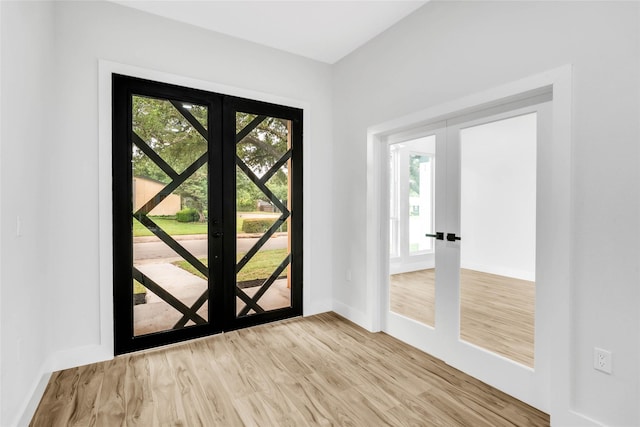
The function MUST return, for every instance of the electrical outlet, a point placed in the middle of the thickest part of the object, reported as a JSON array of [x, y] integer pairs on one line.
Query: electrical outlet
[[602, 360]]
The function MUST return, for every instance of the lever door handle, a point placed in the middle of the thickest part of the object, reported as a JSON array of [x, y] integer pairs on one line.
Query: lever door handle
[[451, 237], [439, 235], [217, 234]]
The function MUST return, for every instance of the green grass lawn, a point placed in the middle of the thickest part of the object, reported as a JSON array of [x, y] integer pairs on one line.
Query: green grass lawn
[[175, 228], [260, 267], [138, 288], [171, 227]]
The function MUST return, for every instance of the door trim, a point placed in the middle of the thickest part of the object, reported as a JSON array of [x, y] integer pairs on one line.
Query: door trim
[[558, 83]]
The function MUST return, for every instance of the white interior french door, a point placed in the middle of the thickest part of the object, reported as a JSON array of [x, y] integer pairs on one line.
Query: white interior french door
[[475, 295]]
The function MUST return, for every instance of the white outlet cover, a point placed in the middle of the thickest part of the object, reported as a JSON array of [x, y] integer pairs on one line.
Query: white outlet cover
[[602, 360]]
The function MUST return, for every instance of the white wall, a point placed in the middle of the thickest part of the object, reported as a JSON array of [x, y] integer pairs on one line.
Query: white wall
[[50, 276], [498, 197], [26, 82], [448, 50]]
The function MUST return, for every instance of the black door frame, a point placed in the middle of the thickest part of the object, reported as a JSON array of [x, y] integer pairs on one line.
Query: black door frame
[[221, 164]]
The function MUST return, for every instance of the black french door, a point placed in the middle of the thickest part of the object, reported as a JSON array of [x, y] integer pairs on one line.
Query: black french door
[[207, 213]]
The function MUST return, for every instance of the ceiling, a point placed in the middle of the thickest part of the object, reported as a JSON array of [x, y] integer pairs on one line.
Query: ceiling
[[322, 30]]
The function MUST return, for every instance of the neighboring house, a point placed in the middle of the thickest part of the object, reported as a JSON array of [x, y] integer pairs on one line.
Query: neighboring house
[[263, 206], [145, 188]]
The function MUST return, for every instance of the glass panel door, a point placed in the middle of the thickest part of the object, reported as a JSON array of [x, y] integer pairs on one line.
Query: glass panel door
[[478, 184], [498, 232]]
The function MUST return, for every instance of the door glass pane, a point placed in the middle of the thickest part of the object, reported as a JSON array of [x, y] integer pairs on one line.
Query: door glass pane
[[169, 220], [411, 217], [263, 206], [498, 231]]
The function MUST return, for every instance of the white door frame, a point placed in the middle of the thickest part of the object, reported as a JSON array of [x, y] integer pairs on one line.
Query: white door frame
[[558, 82]]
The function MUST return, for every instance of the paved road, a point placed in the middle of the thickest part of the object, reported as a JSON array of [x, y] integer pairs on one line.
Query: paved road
[[160, 252]]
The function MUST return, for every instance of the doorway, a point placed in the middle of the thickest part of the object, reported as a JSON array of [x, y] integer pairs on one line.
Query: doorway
[[207, 209], [469, 296]]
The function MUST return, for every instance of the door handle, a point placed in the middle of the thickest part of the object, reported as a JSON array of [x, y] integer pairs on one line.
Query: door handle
[[217, 234], [439, 235], [451, 237]]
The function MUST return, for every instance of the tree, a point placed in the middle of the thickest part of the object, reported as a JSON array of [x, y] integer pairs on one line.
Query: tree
[[260, 150], [168, 133], [161, 126], [194, 192], [414, 173]]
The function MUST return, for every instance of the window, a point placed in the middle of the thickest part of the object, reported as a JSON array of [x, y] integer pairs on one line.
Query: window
[[411, 200]]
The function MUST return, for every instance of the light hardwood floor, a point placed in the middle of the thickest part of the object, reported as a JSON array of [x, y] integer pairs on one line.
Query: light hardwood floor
[[320, 370], [413, 295], [496, 312]]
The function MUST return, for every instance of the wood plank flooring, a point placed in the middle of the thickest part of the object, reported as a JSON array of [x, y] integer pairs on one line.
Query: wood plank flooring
[[413, 295], [496, 312], [317, 371]]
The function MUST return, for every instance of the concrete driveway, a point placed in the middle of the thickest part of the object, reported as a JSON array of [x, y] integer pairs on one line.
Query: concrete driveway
[[152, 249]]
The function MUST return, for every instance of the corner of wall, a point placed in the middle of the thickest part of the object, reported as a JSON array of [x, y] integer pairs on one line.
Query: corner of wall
[[317, 307], [57, 361], [358, 317], [80, 356]]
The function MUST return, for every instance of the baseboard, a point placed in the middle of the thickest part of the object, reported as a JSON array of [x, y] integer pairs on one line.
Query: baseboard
[[573, 419], [80, 356], [57, 361], [358, 317], [501, 271], [317, 307], [28, 408]]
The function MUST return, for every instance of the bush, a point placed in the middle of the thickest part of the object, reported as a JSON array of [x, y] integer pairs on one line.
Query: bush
[[187, 215], [260, 225], [139, 293]]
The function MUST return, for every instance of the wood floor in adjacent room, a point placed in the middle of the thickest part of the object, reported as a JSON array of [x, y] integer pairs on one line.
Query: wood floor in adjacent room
[[320, 370], [497, 313]]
